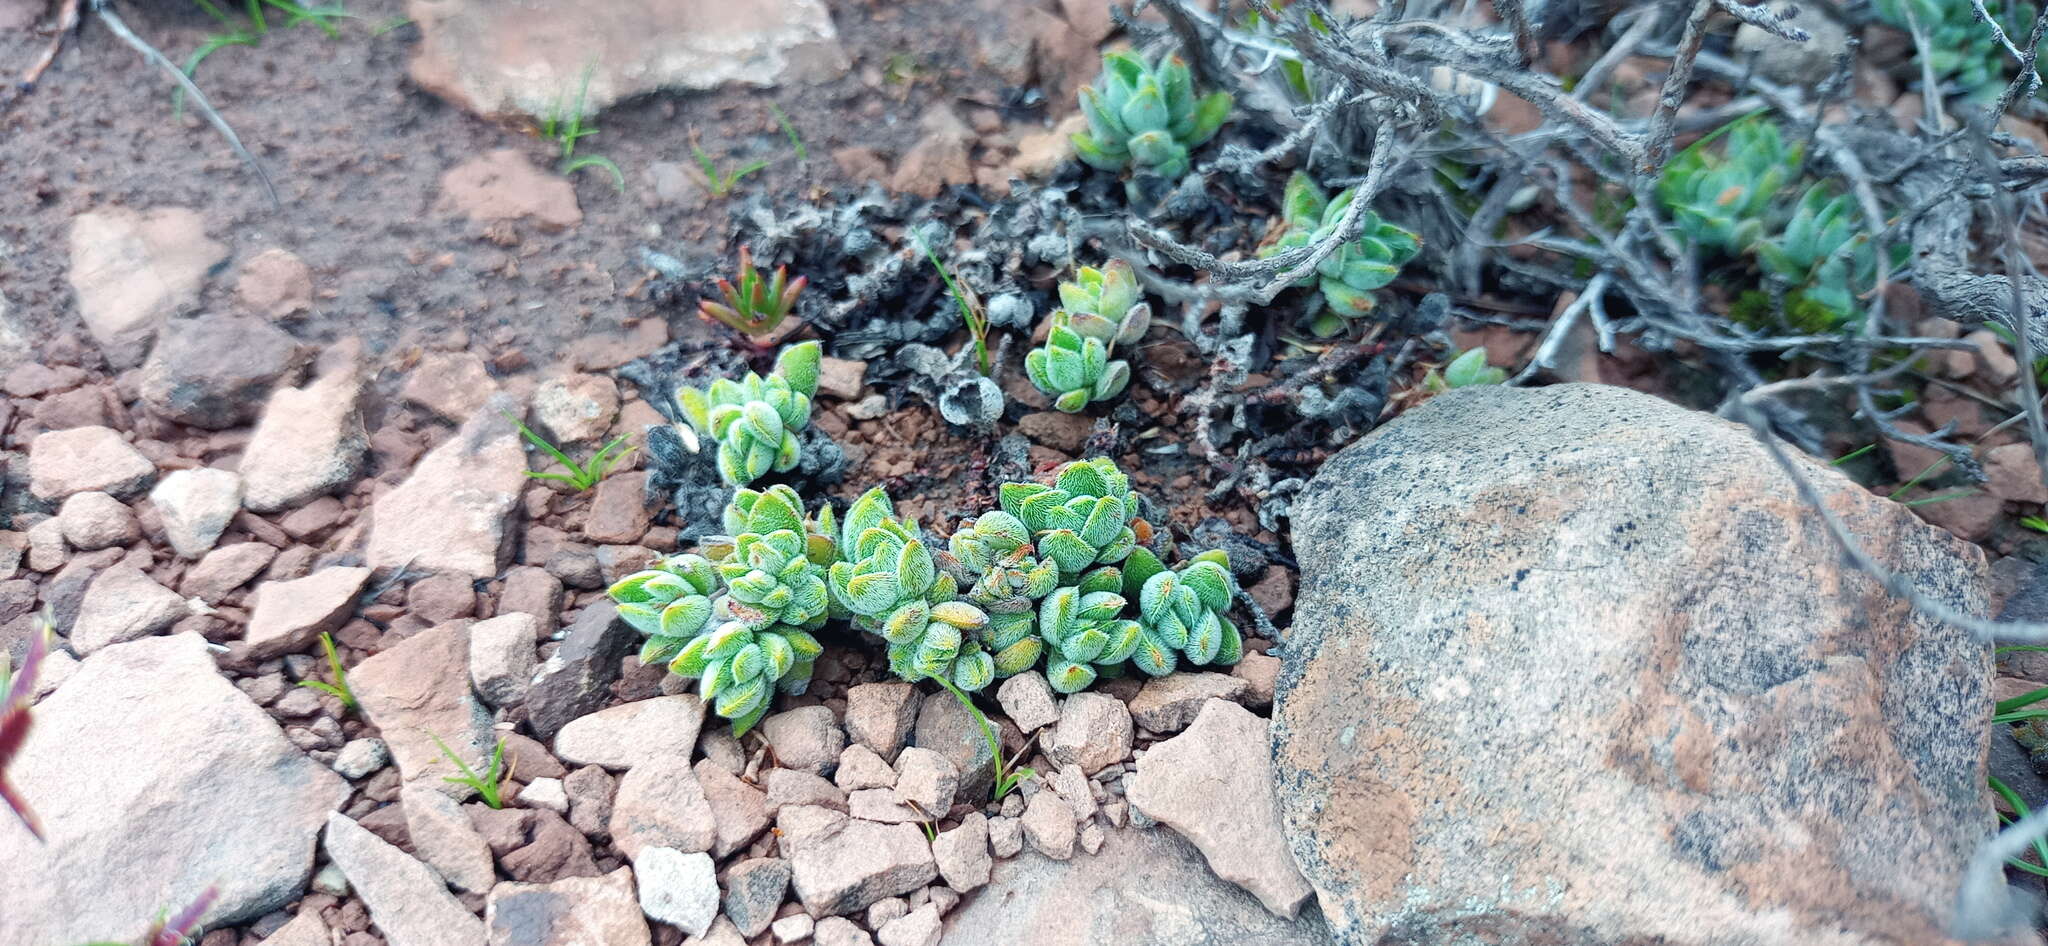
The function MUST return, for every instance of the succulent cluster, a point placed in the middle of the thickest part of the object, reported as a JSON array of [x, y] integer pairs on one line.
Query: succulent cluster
[[1348, 277], [755, 420], [740, 619], [891, 583], [1720, 199], [1065, 573], [756, 306], [1148, 115], [1823, 249], [1099, 310], [1059, 569], [1729, 203], [1960, 49]]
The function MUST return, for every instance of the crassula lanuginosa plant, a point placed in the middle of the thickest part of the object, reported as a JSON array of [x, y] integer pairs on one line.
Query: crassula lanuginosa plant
[[891, 583], [1720, 198], [1064, 575], [755, 420], [1099, 310], [1148, 115], [754, 637], [1348, 277], [1725, 196], [1961, 51]]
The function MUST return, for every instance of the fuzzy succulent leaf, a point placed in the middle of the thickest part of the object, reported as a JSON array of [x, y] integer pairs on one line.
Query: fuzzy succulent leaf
[[1148, 114]]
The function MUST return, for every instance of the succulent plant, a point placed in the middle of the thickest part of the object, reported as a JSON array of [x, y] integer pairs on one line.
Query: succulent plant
[[1182, 616], [1074, 369], [1006, 579], [1721, 200], [892, 585], [669, 604], [1824, 255], [774, 572], [1146, 114], [1085, 634], [1467, 370], [1349, 276], [1088, 516], [755, 420], [739, 655], [756, 306], [1960, 48], [1106, 304], [740, 668]]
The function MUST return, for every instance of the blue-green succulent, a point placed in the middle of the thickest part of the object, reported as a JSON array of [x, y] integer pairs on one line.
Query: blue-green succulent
[[1148, 115], [1348, 277], [755, 420], [892, 585]]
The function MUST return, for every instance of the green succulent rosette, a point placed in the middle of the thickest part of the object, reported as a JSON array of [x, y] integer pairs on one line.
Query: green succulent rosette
[[755, 420]]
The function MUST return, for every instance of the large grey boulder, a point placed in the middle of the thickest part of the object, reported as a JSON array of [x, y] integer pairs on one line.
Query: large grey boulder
[[1143, 888], [1577, 665], [156, 778]]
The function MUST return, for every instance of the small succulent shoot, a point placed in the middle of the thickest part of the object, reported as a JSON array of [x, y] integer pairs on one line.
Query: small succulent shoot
[[1084, 635], [579, 477], [1073, 369], [772, 574], [1960, 49], [1148, 115], [1006, 580], [1348, 278], [1182, 617], [1106, 304], [1467, 370], [1720, 199], [17, 692], [892, 585], [756, 306], [755, 420], [739, 668], [1087, 517], [1824, 255], [669, 604], [339, 688], [488, 785]]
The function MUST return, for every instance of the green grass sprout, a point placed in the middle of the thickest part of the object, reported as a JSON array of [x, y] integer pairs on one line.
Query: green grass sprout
[[567, 128], [252, 32], [970, 305], [580, 476], [488, 784], [2020, 810], [1007, 775], [339, 688], [721, 183], [802, 153]]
